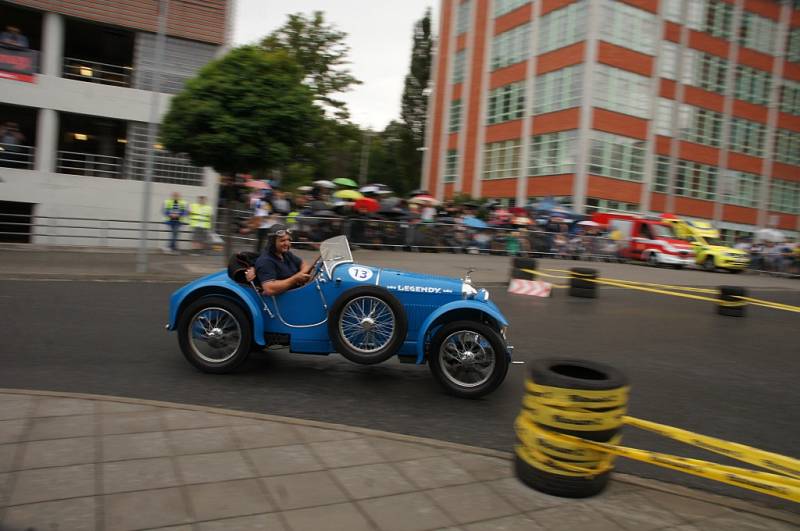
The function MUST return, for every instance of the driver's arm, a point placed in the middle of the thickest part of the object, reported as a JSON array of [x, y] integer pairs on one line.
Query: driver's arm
[[305, 267], [276, 287]]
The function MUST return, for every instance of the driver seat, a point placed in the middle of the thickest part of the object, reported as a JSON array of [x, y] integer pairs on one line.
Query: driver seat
[[239, 263]]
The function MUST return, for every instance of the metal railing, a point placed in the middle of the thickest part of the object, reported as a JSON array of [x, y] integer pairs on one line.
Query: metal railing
[[96, 72], [309, 231], [16, 156], [89, 164]]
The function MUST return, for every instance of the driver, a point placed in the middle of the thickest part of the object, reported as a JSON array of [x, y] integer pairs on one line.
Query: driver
[[278, 269]]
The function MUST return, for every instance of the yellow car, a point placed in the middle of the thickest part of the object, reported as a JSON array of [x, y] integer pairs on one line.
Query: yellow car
[[710, 252]]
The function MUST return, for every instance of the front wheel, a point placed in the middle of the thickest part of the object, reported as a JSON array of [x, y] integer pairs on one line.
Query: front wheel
[[708, 265], [468, 359], [214, 334]]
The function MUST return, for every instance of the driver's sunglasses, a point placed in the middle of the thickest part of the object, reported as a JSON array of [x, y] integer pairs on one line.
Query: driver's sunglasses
[[282, 232]]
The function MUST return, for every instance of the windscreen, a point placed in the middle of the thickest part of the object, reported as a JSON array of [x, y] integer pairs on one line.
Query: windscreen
[[335, 251]]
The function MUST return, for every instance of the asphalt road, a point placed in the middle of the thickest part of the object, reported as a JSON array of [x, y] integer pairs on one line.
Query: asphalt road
[[731, 378]]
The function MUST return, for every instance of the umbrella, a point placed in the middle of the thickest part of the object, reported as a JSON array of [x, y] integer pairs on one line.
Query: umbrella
[[475, 223], [305, 188], [368, 204], [424, 200], [370, 189], [344, 181], [324, 184], [522, 220], [770, 235], [518, 211], [419, 191], [589, 223], [261, 185], [348, 194]]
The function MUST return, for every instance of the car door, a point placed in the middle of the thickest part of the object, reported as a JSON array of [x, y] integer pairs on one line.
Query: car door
[[301, 307]]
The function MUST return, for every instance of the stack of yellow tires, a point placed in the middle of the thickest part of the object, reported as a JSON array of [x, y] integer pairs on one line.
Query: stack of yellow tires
[[570, 398]]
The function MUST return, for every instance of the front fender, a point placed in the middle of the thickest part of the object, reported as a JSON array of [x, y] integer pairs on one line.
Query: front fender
[[489, 308], [222, 287]]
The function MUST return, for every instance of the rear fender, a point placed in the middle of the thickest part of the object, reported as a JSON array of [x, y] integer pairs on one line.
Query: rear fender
[[245, 297], [456, 311]]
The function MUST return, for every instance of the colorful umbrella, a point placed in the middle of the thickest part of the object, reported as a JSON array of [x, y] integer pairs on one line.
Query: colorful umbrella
[[522, 220], [344, 181], [370, 189], [588, 223], [475, 223], [428, 200], [367, 204], [304, 188], [348, 194], [323, 184]]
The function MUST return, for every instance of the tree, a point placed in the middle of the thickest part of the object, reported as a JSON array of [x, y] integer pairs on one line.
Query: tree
[[246, 111], [320, 50]]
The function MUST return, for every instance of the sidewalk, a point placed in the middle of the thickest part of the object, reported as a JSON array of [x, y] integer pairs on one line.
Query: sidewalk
[[22, 261], [75, 462]]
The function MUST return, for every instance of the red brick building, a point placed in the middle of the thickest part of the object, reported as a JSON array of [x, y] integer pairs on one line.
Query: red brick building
[[685, 106]]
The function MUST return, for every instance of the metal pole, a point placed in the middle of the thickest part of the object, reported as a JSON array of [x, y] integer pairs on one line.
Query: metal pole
[[362, 178], [155, 99]]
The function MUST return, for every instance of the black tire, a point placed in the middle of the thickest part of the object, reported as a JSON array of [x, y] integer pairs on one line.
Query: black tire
[[524, 263], [735, 271], [576, 374], [498, 371], [584, 293], [708, 264], [518, 273], [731, 294], [390, 346], [557, 485], [193, 348], [652, 259]]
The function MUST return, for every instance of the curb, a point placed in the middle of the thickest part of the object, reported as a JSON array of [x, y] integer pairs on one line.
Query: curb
[[677, 490]]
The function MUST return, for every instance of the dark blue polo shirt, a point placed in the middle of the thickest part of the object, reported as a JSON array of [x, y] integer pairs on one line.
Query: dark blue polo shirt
[[270, 267]]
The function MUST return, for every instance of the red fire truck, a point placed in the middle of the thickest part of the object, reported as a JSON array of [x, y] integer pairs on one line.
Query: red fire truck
[[645, 239]]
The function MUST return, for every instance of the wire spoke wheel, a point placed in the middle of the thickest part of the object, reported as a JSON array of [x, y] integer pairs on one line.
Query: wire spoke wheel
[[367, 324], [214, 335], [467, 358]]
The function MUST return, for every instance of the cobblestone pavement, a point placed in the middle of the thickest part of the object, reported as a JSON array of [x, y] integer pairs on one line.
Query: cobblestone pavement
[[75, 462]]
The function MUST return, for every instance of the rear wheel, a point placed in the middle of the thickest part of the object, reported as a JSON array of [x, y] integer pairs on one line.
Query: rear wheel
[[468, 358], [652, 259], [214, 334]]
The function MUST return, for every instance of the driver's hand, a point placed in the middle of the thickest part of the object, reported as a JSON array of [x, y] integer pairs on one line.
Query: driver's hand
[[302, 278], [250, 274]]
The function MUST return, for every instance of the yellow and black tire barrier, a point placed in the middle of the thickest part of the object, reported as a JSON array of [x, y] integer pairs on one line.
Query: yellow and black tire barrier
[[722, 297], [569, 436]]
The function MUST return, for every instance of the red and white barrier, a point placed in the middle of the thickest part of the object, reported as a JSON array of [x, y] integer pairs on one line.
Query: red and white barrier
[[534, 288]]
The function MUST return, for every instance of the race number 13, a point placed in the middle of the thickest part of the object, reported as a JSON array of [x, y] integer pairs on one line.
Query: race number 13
[[361, 274]]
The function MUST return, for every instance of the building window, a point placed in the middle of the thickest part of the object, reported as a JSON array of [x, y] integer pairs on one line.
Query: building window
[[793, 46], [450, 166], [462, 17], [511, 46], [741, 188], [553, 153], [621, 91], [558, 90], [758, 33], [719, 19], [752, 85], [455, 116], [668, 62], [506, 103], [784, 196], [787, 146], [747, 137], [696, 180], [627, 26], [594, 204], [167, 167], [665, 113], [459, 66], [562, 27], [501, 159], [617, 156], [501, 7], [709, 72], [790, 97], [661, 183], [695, 124]]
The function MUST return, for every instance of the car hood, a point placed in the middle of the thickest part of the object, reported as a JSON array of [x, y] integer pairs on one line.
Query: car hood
[[406, 282], [727, 250]]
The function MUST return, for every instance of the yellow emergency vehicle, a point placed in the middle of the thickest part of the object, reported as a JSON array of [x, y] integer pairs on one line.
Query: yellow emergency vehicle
[[711, 253]]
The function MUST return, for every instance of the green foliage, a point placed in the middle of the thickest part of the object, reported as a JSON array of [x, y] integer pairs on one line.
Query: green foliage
[[415, 97], [320, 51], [246, 111]]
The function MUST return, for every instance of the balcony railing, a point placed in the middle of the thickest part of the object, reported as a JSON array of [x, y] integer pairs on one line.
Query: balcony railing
[[16, 156], [95, 72], [89, 164]]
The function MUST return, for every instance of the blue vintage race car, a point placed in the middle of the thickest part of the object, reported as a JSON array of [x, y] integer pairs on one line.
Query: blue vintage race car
[[366, 314]]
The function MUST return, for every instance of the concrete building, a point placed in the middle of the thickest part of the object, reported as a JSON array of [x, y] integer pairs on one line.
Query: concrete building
[[81, 92], [683, 106]]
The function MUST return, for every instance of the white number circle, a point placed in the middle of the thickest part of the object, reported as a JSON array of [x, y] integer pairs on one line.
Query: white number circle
[[361, 274]]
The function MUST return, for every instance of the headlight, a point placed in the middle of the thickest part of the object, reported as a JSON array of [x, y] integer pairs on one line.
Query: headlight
[[467, 291]]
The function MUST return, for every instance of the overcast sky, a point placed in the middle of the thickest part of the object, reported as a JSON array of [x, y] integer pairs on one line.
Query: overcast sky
[[380, 36]]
